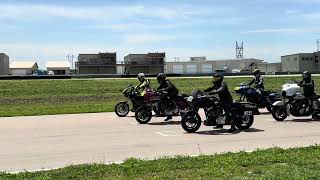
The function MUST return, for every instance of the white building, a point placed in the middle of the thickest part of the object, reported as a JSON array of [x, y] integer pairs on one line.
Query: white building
[[59, 67], [207, 67], [23, 67]]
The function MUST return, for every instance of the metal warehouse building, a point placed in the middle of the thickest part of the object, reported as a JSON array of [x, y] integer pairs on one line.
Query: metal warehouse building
[[101, 63], [4, 64], [23, 67], [147, 63], [270, 68], [300, 62], [204, 67], [59, 67]]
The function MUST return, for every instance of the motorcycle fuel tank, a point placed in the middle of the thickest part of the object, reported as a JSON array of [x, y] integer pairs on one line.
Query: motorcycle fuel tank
[[299, 96]]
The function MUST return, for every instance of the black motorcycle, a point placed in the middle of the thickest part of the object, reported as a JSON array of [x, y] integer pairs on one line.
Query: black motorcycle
[[250, 94], [295, 103], [122, 108], [242, 112]]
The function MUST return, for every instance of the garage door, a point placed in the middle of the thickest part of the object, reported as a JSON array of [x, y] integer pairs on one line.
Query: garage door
[[177, 69], [120, 69], [19, 72], [207, 68], [192, 69]]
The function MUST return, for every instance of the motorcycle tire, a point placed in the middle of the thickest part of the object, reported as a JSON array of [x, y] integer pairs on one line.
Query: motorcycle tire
[[248, 122], [122, 109], [279, 113], [191, 122], [315, 116], [143, 115]]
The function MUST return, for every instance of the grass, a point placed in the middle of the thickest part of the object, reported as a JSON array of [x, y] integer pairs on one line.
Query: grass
[[276, 163], [41, 97]]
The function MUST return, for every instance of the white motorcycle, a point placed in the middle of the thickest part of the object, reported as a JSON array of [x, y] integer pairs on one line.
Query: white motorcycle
[[294, 103]]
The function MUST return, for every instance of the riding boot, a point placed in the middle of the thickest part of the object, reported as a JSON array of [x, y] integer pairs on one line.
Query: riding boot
[[233, 126], [168, 118], [220, 126]]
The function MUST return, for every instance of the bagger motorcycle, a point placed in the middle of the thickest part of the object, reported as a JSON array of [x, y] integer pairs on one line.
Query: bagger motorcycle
[[250, 94], [152, 101], [242, 112], [122, 108], [294, 103]]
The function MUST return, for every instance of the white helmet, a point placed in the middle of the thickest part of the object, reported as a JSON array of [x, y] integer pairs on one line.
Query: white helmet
[[141, 77]]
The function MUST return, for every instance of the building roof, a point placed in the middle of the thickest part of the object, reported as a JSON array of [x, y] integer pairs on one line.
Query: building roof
[[22, 64], [58, 64], [298, 54]]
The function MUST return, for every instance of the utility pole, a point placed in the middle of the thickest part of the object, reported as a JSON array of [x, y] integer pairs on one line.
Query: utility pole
[[239, 50], [318, 45], [71, 60]]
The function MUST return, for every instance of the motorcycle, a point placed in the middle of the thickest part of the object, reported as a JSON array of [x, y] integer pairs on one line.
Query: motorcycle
[[152, 101], [122, 108], [250, 94], [242, 112], [294, 103]]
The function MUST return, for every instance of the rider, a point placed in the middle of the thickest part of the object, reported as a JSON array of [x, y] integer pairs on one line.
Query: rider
[[144, 83], [258, 81], [308, 87], [168, 90], [220, 87]]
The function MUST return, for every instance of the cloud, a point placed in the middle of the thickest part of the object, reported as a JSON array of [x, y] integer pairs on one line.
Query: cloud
[[285, 30], [292, 11], [147, 38], [133, 26]]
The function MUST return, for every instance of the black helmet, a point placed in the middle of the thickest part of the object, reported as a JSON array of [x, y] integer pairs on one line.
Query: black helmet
[[141, 77], [306, 75], [217, 78], [161, 77], [256, 72]]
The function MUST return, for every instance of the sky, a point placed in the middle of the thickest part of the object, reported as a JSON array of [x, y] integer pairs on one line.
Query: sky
[[50, 30]]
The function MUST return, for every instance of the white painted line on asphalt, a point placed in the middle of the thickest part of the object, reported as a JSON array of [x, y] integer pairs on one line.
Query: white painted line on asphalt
[[133, 123], [168, 133], [161, 133]]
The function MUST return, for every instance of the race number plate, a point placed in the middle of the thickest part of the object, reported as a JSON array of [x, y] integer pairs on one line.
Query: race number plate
[[248, 113]]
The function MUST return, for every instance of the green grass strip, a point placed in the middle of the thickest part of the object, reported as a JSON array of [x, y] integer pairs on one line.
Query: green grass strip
[[276, 163]]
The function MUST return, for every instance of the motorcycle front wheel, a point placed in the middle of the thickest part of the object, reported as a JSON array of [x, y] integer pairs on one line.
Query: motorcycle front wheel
[[279, 113], [191, 122], [143, 115], [122, 109]]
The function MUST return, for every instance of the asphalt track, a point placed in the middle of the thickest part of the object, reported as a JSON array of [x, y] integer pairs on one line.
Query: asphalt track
[[46, 142]]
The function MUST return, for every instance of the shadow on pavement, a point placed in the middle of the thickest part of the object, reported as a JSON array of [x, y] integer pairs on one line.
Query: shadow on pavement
[[225, 131], [265, 113], [304, 120], [166, 123]]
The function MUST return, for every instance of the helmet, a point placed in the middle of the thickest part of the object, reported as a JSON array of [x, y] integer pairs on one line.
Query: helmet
[[306, 75], [141, 77], [161, 77], [217, 78], [256, 72]]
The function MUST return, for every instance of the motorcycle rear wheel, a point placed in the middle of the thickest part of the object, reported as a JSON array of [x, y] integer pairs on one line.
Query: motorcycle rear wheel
[[191, 122], [122, 109], [143, 115], [279, 113], [245, 123]]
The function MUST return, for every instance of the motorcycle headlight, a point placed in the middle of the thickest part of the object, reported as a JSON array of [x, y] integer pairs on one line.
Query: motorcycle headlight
[[284, 94]]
